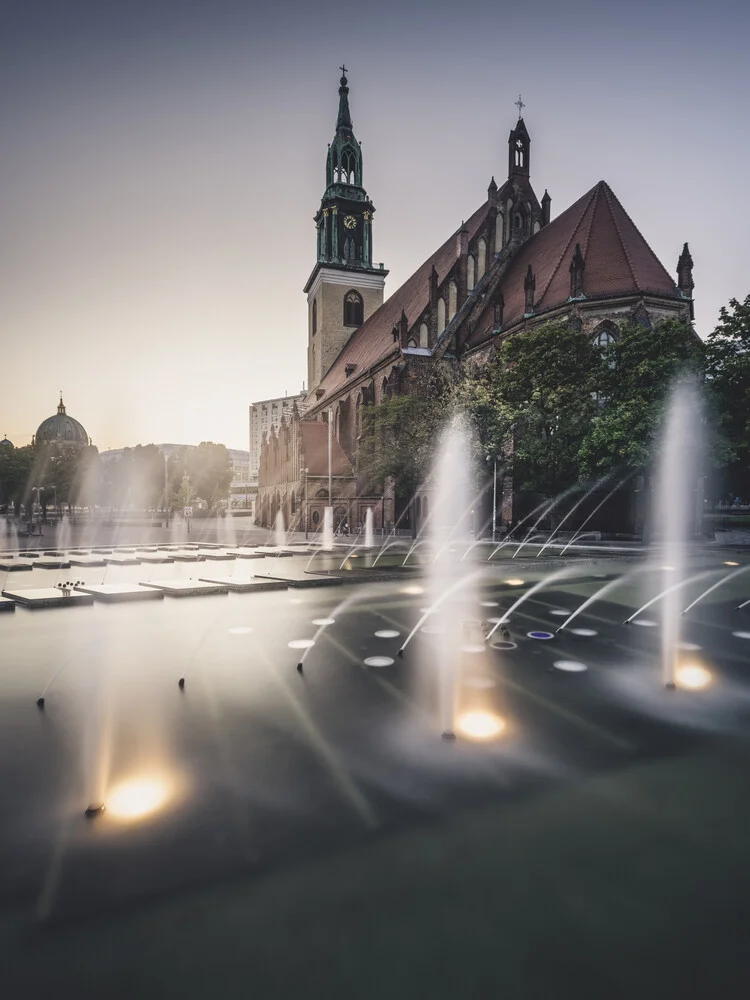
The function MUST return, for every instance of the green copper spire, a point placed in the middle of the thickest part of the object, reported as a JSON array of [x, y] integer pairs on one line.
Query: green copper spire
[[344, 120]]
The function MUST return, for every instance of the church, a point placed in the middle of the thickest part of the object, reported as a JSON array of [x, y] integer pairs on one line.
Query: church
[[509, 267]]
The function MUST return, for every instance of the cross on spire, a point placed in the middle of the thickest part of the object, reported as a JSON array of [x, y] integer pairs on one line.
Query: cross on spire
[[520, 105], [343, 70]]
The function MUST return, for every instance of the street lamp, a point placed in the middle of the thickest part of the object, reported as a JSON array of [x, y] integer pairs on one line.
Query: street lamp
[[494, 495], [307, 512]]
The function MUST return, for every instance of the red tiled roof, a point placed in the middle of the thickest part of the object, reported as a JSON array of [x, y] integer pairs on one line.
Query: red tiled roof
[[374, 339], [315, 446], [618, 259]]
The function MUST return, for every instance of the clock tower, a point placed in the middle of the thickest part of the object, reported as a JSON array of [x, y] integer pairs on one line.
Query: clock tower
[[345, 288]]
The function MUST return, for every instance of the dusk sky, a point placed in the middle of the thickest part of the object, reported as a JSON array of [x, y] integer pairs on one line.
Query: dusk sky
[[162, 161]]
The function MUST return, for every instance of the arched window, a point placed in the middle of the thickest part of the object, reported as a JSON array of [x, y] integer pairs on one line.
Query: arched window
[[424, 335], [482, 255], [315, 317], [499, 232], [517, 222], [452, 300], [604, 338], [424, 507], [471, 271], [322, 493], [384, 390], [440, 315], [350, 249], [315, 518], [419, 507], [353, 309]]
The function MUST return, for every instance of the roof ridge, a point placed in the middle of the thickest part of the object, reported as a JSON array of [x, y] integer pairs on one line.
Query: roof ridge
[[645, 241], [555, 269], [607, 192], [591, 220]]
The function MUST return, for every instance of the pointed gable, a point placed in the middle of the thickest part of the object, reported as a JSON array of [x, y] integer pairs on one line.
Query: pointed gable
[[618, 260]]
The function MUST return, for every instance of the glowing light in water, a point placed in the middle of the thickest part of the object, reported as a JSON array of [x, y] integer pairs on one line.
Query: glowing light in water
[[480, 725], [324, 621], [729, 563], [301, 643], [692, 677], [138, 798], [514, 582], [379, 661], [570, 666], [412, 589], [387, 633]]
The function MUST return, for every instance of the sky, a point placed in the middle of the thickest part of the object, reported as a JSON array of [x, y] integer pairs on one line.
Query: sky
[[161, 163]]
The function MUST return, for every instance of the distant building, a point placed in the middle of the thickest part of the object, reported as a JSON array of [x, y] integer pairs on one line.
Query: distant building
[[61, 429], [264, 415]]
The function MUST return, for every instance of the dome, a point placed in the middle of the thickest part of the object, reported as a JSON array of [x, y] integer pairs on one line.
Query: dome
[[61, 429], [5, 443]]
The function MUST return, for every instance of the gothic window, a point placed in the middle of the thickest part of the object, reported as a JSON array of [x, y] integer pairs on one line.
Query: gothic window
[[499, 232], [440, 316], [347, 166], [424, 507], [315, 518], [519, 153], [424, 336], [323, 493], [412, 342], [452, 300], [517, 222], [419, 507], [471, 270], [482, 255], [315, 317], [350, 250], [353, 309], [604, 338], [384, 390]]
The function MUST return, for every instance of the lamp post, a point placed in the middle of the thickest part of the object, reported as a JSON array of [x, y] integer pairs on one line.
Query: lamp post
[[494, 495], [307, 512]]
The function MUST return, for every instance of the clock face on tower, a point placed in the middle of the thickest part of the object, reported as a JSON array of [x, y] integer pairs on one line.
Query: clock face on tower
[[350, 222]]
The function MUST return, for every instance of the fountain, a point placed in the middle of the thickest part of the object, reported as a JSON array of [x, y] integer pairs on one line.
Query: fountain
[[369, 533], [279, 533], [327, 529], [675, 511]]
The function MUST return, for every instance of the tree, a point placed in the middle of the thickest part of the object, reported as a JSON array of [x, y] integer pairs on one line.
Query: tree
[[534, 401], [16, 466], [209, 467], [728, 385], [633, 386], [400, 434]]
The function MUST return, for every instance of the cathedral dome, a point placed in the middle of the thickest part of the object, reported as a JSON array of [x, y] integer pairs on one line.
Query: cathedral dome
[[5, 443], [61, 429]]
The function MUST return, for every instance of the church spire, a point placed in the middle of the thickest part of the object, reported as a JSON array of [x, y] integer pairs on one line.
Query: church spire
[[344, 120]]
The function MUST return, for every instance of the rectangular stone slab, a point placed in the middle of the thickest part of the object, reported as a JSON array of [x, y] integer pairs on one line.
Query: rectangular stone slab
[[245, 584], [187, 588], [187, 557], [217, 556], [6, 604], [115, 592], [308, 580], [156, 557], [46, 563], [121, 560], [87, 561], [249, 554], [14, 565], [46, 597]]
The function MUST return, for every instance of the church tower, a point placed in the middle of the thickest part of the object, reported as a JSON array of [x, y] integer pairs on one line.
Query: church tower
[[345, 288]]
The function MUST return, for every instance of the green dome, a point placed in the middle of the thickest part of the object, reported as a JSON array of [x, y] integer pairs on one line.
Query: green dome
[[61, 429]]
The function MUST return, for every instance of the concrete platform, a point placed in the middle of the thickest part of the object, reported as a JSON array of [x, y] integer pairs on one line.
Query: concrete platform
[[308, 580], [46, 597], [6, 604], [45, 563], [245, 584], [54, 553], [249, 554], [274, 552], [104, 552], [115, 592], [156, 557], [187, 588], [146, 548], [87, 560], [187, 557], [118, 559], [14, 565], [216, 556]]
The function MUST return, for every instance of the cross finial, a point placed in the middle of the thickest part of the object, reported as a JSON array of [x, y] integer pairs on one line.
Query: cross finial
[[520, 105], [343, 70]]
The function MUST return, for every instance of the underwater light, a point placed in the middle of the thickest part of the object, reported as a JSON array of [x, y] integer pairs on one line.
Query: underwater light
[[693, 677], [137, 798], [480, 725]]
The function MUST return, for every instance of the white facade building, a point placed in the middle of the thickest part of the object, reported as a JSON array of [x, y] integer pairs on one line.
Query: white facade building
[[264, 415]]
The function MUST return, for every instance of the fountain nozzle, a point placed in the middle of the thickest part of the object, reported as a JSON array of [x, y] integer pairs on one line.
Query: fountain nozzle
[[400, 652], [299, 667], [181, 683], [449, 735], [670, 686], [95, 809], [40, 702]]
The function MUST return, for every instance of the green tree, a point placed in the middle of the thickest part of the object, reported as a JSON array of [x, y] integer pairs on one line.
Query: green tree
[[210, 469], [728, 385], [16, 467], [535, 401], [634, 380]]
